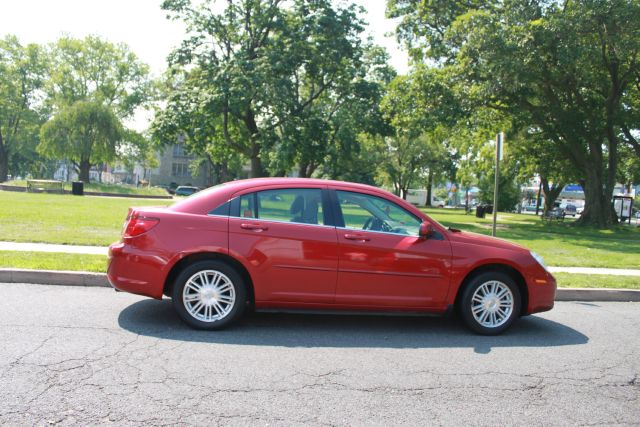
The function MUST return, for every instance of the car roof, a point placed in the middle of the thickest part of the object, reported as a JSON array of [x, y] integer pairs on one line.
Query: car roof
[[201, 202]]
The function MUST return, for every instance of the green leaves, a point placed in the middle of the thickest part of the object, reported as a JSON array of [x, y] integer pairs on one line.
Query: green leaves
[[85, 133], [97, 70], [22, 75], [271, 78], [570, 71]]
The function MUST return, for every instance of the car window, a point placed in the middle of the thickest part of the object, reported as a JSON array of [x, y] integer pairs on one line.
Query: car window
[[247, 206], [366, 212], [301, 205]]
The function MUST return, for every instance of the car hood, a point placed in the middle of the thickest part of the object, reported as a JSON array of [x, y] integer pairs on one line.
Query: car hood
[[470, 238]]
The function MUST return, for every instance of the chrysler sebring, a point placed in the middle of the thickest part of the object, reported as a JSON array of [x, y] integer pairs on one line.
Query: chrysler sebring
[[307, 244]]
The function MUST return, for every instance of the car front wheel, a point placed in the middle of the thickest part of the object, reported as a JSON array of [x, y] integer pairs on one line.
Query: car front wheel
[[209, 295], [491, 303]]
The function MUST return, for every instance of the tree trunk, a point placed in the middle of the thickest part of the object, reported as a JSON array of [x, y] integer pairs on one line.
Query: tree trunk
[[403, 193], [302, 170], [466, 199], [598, 210], [429, 185], [550, 193], [256, 166], [4, 160], [538, 197], [83, 171], [4, 164]]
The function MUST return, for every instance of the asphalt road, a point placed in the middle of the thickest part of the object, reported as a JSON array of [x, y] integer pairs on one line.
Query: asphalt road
[[92, 356]]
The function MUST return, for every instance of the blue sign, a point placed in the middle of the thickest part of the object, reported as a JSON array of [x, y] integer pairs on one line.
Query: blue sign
[[573, 187]]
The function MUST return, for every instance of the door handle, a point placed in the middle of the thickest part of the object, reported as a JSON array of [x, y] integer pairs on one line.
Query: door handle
[[256, 227], [357, 237]]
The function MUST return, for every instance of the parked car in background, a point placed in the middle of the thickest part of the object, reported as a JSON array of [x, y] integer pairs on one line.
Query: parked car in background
[[185, 190], [437, 203], [293, 244], [569, 209]]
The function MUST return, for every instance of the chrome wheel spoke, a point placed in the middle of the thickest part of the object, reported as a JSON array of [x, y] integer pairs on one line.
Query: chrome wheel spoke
[[224, 288], [218, 308], [226, 299], [191, 297], [203, 278], [216, 280], [193, 285], [196, 307]]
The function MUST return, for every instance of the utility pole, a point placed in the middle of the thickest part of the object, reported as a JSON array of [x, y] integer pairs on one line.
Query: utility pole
[[499, 146]]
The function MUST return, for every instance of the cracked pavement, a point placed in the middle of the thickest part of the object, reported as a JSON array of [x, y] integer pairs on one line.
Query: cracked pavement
[[90, 356]]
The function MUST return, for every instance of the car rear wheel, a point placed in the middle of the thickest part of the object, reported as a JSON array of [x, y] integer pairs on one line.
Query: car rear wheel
[[490, 303], [209, 295]]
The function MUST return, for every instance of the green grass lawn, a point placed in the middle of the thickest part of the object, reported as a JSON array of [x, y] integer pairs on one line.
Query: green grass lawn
[[561, 244], [65, 219], [98, 264], [53, 261], [107, 188], [568, 280]]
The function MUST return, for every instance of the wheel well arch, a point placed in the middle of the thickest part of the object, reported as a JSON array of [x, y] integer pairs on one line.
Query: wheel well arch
[[203, 256], [504, 268]]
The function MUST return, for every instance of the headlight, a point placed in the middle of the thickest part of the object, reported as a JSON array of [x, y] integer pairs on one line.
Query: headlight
[[539, 259]]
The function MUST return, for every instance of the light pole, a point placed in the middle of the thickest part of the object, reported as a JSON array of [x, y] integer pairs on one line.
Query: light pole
[[499, 145]]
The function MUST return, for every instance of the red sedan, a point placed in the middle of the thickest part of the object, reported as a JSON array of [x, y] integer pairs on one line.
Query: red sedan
[[291, 244]]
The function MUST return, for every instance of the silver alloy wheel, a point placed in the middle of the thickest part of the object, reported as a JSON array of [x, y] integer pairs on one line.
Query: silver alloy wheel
[[492, 304], [209, 295]]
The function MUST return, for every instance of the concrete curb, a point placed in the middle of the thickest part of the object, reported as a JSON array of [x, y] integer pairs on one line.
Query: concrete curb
[[51, 277], [598, 294], [83, 278]]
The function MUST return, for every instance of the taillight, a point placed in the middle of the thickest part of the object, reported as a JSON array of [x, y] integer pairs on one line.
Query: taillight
[[137, 224]]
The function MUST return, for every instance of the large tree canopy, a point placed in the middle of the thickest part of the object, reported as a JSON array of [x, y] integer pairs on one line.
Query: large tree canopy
[[86, 133], [568, 70], [270, 77], [93, 86], [22, 75], [93, 69]]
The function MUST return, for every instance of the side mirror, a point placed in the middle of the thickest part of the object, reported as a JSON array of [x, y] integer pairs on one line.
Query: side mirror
[[426, 230]]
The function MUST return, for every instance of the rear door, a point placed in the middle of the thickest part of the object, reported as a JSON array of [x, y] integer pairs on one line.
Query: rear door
[[287, 239]]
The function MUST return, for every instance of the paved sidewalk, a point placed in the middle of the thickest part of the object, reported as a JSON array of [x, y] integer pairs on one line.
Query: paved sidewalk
[[46, 247], [591, 270], [103, 250]]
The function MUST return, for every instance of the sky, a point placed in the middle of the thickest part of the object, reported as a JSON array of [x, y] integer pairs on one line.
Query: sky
[[141, 24]]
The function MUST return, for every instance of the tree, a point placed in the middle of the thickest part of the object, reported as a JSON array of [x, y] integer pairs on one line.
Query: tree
[[261, 68], [93, 69], [419, 152], [86, 133], [538, 156], [136, 149], [91, 80], [22, 74], [567, 69]]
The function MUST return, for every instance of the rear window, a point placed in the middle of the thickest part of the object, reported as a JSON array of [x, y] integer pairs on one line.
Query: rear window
[[299, 205]]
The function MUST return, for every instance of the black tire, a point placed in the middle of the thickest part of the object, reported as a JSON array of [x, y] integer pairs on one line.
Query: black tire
[[504, 317], [211, 269]]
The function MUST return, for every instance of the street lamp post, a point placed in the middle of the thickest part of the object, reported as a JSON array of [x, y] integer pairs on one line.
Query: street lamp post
[[499, 146]]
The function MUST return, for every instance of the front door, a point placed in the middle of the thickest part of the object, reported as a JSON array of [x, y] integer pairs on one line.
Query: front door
[[382, 261]]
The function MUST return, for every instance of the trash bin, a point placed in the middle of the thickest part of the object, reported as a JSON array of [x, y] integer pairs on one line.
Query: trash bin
[[488, 209], [480, 211], [77, 188]]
